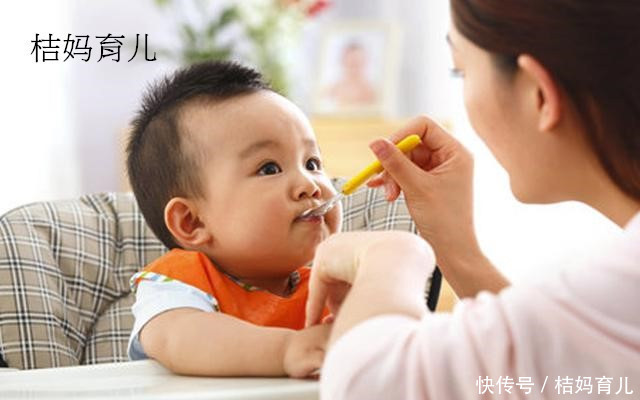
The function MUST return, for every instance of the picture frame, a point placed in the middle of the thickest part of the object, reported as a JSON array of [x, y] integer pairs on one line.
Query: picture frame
[[357, 71]]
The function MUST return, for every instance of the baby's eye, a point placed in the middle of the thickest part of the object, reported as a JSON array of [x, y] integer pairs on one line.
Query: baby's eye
[[270, 168], [313, 164]]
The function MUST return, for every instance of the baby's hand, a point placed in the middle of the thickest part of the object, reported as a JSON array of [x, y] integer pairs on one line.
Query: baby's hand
[[304, 352]]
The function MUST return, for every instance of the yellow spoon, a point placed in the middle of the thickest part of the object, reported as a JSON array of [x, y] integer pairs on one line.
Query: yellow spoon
[[405, 145]]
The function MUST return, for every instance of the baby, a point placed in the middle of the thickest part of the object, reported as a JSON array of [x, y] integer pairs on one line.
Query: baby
[[222, 168]]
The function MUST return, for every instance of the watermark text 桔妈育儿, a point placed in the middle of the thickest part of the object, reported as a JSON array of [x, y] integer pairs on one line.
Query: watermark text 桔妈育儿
[[49, 48]]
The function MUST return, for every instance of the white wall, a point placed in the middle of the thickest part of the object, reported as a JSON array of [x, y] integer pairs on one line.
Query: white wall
[[36, 156], [63, 120], [105, 94]]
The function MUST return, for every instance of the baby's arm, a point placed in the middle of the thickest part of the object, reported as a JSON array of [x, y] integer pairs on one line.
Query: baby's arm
[[193, 342]]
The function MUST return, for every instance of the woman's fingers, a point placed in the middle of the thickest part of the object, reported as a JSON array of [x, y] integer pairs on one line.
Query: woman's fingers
[[334, 269], [376, 181], [392, 190], [329, 319], [402, 169], [318, 292], [324, 295], [432, 135], [433, 138], [416, 126], [336, 266]]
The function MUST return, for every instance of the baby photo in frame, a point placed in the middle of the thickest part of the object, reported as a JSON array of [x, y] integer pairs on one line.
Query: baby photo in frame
[[357, 69]]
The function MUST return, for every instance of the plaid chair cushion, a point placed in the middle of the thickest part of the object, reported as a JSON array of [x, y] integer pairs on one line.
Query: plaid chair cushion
[[65, 269]]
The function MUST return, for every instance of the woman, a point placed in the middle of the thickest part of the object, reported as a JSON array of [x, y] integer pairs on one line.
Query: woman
[[553, 88]]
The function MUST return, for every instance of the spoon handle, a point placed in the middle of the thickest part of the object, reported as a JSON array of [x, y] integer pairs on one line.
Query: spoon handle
[[405, 145]]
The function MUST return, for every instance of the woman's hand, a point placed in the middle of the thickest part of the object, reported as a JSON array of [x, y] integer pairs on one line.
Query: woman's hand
[[304, 351], [363, 274], [437, 181]]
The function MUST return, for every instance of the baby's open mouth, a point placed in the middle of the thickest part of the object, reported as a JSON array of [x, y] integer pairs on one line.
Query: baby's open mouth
[[309, 218]]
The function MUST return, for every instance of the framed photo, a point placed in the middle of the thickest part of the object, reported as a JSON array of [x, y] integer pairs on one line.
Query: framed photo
[[357, 70]]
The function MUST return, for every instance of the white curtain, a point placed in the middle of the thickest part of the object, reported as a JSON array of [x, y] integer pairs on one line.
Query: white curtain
[[37, 155]]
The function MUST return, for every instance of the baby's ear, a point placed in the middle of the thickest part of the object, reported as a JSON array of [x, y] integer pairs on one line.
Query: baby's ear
[[183, 221]]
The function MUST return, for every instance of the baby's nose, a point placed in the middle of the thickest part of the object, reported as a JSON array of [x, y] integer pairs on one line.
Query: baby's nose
[[312, 193], [308, 188]]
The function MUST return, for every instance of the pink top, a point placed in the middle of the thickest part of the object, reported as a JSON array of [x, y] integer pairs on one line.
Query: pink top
[[575, 335]]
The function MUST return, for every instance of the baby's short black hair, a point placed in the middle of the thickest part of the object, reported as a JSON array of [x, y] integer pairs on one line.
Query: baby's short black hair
[[158, 163]]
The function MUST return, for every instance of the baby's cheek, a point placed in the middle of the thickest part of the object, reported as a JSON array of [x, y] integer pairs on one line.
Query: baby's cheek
[[334, 219], [326, 187], [271, 215]]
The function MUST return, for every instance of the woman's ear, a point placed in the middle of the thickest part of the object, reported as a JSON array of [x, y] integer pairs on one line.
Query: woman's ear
[[548, 100], [182, 220]]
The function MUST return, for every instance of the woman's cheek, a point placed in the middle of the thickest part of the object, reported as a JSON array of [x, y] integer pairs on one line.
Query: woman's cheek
[[470, 102], [475, 104]]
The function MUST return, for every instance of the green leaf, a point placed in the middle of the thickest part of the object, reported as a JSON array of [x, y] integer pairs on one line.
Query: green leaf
[[189, 34], [162, 3], [229, 15], [222, 54], [212, 29]]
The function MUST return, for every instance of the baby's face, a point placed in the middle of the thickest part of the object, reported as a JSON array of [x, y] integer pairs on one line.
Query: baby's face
[[263, 169]]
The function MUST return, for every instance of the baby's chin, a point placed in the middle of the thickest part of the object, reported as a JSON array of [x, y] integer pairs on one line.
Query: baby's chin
[[293, 259], [306, 258]]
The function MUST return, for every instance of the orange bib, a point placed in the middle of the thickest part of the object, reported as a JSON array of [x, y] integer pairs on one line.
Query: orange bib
[[249, 304]]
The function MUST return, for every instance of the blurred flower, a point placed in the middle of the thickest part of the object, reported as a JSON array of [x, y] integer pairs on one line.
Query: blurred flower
[[317, 7], [310, 7], [269, 30]]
